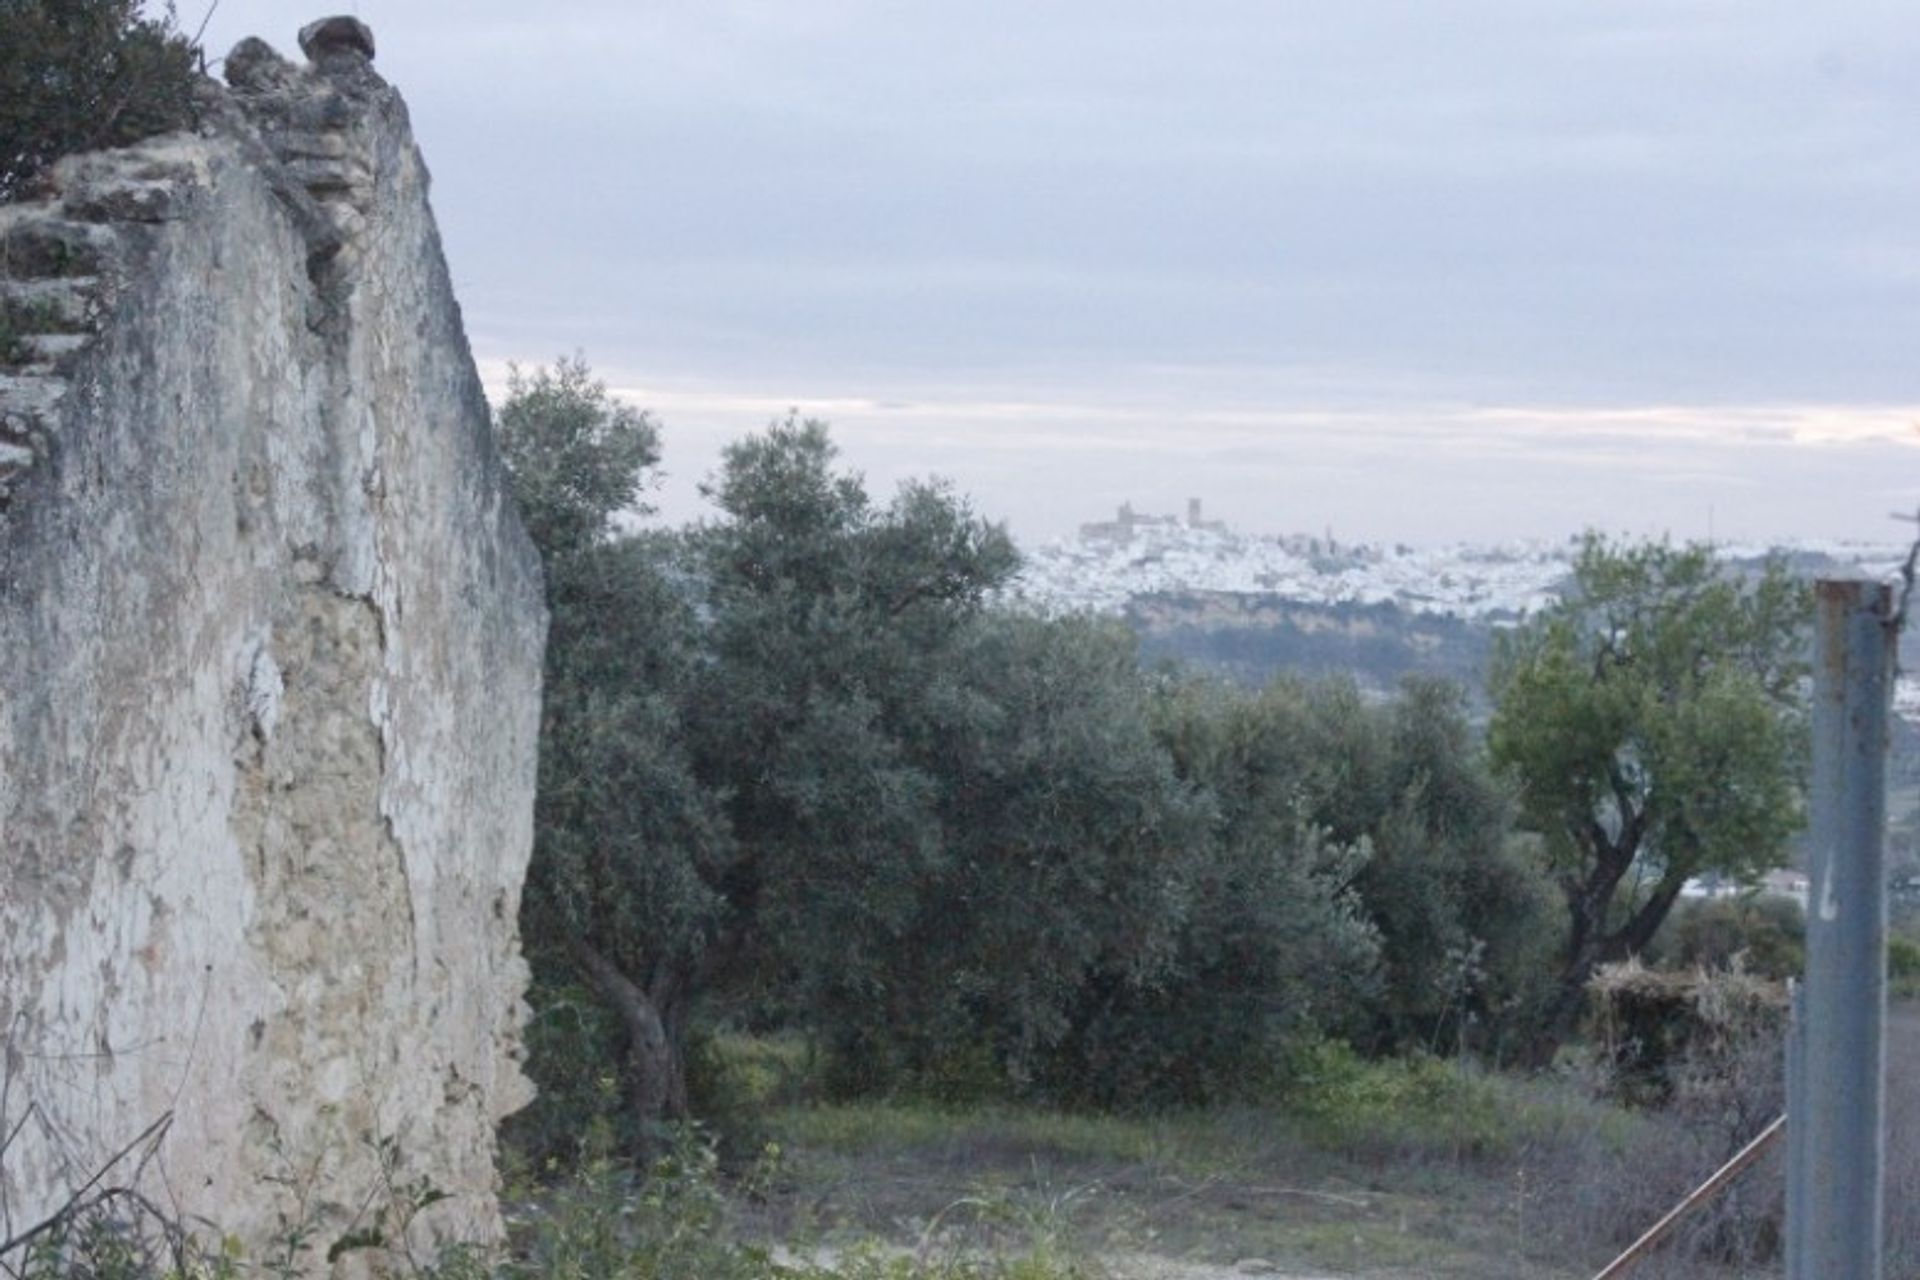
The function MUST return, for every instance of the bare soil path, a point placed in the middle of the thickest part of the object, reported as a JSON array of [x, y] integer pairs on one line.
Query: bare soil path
[[1147, 1267], [1288, 1214]]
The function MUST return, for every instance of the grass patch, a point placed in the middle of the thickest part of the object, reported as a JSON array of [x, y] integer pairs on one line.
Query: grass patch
[[1903, 967], [683, 1220], [1435, 1108], [1430, 1166], [1334, 1101], [862, 1128]]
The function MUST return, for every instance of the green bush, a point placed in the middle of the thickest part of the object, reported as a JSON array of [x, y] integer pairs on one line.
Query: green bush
[[1903, 966], [1767, 934], [1420, 1107], [84, 74], [574, 1048]]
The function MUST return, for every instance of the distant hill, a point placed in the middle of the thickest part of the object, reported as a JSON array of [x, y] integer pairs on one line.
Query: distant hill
[[1253, 637], [1252, 607]]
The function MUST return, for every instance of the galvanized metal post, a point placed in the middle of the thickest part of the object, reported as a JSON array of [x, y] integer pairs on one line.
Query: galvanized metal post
[[1841, 1069], [1796, 1129]]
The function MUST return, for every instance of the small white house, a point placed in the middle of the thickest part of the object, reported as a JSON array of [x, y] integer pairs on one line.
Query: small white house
[[1710, 885], [1785, 883], [1782, 882]]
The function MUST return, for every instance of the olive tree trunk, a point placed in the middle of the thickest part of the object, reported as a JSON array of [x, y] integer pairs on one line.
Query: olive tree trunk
[[656, 1067]]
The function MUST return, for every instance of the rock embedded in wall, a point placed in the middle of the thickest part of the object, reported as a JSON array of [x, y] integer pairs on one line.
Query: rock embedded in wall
[[270, 649]]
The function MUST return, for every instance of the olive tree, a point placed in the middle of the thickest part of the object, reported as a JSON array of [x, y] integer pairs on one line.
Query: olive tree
[[1268, 941], [831, 624], [627, 844], [1652, 722], [1068, 848], [1463, 915], [577, 457]]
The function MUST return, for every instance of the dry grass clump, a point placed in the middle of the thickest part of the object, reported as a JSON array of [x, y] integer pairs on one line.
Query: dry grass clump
[[1657, 1027], [1701, 1055], [1903, 1141], [1721, 1083]]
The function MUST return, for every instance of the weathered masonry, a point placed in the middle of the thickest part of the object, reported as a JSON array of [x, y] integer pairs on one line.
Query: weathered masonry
[[270, 644]]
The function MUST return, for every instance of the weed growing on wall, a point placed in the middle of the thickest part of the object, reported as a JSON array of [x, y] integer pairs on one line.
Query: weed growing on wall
[[83, 74]]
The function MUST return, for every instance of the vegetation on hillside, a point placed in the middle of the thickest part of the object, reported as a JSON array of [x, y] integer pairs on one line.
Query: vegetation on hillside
[[83, 74], [801, 771]]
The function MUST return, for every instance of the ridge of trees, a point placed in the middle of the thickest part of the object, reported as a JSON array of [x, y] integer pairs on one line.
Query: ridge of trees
[[801, 768]]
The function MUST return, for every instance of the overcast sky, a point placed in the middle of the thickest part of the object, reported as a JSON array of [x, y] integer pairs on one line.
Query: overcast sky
[[1415, 270]]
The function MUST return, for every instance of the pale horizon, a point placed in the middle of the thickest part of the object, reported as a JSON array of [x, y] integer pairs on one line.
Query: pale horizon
[[1467, 474]]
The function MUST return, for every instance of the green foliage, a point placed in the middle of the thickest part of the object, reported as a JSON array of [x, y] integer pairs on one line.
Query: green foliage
[[1765, 936], [1414, 1102], [797, 767], [1463, 917], [577, 456], [1651, 724], [833, 637], [1264, 939], [895, 1126], [79, 75], [1903, 966], [118, 1239], [1066, 837], [575, 1045], [737, 787], [1326, 1098], [626, 843], [629, 845], [678, 1221], [1467, 919], [735, 1080], [1660, 697], [1258, 913], [1364, 850], [608, 1221]]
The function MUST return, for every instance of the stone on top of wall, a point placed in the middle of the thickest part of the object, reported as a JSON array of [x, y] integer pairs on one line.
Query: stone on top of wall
[[339, 34]]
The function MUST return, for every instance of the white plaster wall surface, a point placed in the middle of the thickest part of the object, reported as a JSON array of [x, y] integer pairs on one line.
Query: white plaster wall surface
[[270, 643]]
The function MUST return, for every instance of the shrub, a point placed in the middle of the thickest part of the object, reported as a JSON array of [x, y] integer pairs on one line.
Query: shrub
[[1903, 966], [574, 1048], [84, 74], [1768, 934], [1402, 1108], [1654, 1026], [1721, 1091]]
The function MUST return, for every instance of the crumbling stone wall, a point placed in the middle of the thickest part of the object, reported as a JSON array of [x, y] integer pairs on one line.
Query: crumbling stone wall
[[270, 643]]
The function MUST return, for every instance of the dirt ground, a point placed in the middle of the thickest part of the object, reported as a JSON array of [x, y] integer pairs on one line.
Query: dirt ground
[[1295, 1216], [1148, 1267], [1271, 1206]]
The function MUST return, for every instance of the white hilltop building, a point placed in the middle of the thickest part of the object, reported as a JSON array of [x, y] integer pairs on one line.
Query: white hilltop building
[[1126, 521], [1136, 553]]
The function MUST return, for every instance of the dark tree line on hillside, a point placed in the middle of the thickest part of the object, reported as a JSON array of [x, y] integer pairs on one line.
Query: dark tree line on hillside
[[800, 769], [1254, 638]]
